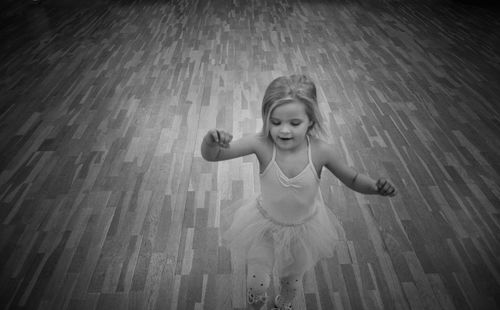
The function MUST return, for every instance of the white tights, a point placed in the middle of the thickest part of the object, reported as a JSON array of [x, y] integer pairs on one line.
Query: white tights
[[260, 264]]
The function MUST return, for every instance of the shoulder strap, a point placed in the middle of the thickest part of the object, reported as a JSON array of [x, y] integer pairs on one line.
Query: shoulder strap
[[311, 164], [309, 151], [274, 153]]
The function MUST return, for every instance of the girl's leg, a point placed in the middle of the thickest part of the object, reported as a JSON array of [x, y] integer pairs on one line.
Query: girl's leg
[[290, 284], [260, 263], [289, 287]]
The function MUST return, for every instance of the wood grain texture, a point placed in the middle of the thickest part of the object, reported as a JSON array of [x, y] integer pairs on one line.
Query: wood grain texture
[[105, 201]]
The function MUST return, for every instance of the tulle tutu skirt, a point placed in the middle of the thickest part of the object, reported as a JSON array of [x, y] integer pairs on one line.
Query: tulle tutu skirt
[[243, 224]]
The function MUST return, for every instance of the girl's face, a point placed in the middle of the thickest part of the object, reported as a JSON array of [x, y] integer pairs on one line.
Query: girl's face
[[289, 124]]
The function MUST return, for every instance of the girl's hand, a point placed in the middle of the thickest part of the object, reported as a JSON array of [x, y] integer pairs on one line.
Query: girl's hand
[[385, 188], [218, 137]]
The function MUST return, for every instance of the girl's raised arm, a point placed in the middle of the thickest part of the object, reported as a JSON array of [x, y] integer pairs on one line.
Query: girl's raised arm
[[217, 145]]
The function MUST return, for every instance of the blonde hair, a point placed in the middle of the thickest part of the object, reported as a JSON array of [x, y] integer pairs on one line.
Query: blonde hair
[[293, 88]]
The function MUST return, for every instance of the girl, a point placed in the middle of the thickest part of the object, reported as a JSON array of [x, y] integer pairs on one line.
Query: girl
[[287, 227]]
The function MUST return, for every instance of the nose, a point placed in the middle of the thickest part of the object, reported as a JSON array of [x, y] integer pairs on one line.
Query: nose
[[285, 129]]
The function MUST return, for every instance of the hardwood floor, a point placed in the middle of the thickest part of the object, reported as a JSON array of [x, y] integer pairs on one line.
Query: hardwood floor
[[106, 203]]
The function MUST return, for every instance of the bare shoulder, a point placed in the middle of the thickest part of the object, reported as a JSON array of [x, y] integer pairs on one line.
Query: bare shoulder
[[325, 155], [263, 150], [320, 150]]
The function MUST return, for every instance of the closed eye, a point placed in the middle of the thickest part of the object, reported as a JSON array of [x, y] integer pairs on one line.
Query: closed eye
[[294, 123]]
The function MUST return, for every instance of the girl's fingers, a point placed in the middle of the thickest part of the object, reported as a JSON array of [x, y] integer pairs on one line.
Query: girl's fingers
[[392, 193], [214, 134], [218, 135], [222, 138], [380, 184], [385, 188]]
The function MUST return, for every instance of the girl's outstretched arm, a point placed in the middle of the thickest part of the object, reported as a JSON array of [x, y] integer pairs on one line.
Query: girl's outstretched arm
[[366, 185], [351, 178], [217, 145]]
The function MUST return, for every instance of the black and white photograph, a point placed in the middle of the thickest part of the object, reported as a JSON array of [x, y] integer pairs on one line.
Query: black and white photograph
[[250, 154]]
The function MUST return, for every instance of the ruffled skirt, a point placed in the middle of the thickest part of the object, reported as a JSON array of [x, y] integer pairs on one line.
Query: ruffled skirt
[[243, 224]]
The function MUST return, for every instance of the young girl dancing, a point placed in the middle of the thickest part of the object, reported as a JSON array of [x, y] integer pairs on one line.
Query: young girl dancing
[[287, 227]]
